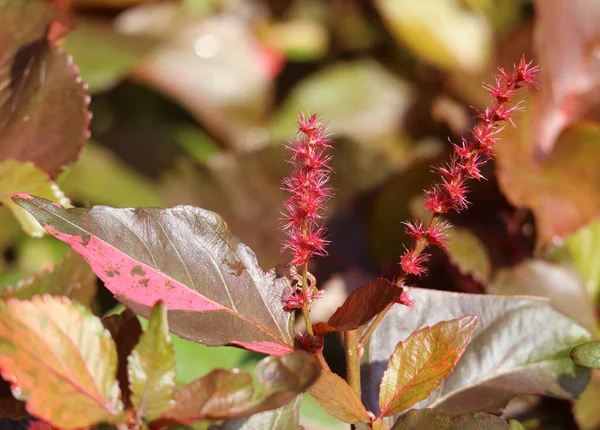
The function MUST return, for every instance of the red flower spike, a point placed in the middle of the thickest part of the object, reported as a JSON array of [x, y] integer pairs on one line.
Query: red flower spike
[[469, 156], [415, 230], [308, 191], [413, 262], [405, 299], [437, 236]]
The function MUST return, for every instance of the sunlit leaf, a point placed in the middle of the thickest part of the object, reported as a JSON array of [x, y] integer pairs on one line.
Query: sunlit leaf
[[560, 284], [223, 76], [42, 98], [230, 394], [520, 346], [103, 54], [70, 277], [99, 177], [584, 248], [338, 399], [211, 283], [563, 188], [60, 359], [360, 99], [151, 368], [441, 32], [587, 354], [421, 362], [427, 419], [585, 408], [361, 306], [125, 330], [566, 37], [18, 176]]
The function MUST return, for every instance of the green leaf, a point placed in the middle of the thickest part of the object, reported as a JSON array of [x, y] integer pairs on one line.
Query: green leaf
[[359, 99], [587, 354], [338, 399], [24, 177], [60, 359], [441, 32], [584, 248], [421, 362], [520, 346], [151, 368], [103, 54], [560, 284], [70, 277], [100, 177], [186, 257], [44, 113], [230, 394], [428, 419]]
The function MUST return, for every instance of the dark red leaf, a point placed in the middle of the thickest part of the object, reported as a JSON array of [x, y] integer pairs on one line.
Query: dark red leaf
[[211, 283], [42, 98], [361, 306], [125, 329]]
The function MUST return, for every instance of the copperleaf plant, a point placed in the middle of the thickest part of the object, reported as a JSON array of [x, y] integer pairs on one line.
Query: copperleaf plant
[[414, 358]]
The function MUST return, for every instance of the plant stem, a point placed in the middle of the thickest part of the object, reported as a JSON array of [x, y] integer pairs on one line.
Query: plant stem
[[321, 360], [352, 360], [367, 334], [305, 293]]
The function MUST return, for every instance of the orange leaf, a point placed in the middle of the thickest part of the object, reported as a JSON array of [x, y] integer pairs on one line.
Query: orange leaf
[[337, 398], [61, 360], [422, 362]]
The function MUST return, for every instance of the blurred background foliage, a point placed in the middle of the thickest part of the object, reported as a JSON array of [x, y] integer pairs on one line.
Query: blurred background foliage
[[193, 99]]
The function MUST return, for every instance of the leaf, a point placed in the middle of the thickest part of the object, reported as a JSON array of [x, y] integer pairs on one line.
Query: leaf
[[521, 346], [17, 176], [151, 368], [59, 358], [584, 248], [540, 278], [428, 419], [585, 408], [338, 399], [42, 98], [360, 99], [230, 394], [101, 177], [562, 188], [70, 277], [285, 417], [103, 54], [125, 330], [587, 354], [360, 306], [566, 35], [441, 32], [224, 80], [211, 283], [421, 362]]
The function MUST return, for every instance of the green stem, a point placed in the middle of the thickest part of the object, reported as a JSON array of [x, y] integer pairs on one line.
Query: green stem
[[352, 360], [305, 291]]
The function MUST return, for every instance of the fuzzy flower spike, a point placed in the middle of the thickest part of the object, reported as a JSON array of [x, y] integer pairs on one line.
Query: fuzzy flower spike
[[308, 192], [465, 164]]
